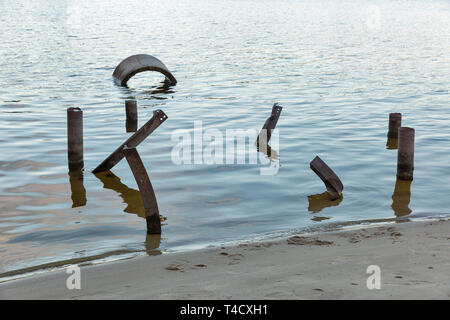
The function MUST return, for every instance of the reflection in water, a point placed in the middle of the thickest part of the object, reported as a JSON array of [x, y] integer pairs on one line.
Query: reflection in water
[[77, 189], [401, 198], [135, 205], [130, 196], [392, 144], [19, 164], [318, 219], [152, 242], [163, 88], [318, 202]]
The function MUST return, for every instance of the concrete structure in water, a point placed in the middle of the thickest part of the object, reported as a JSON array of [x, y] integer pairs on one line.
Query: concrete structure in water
[[140, 63]]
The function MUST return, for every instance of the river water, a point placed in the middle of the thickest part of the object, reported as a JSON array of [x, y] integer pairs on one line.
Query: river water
[[338, 68]]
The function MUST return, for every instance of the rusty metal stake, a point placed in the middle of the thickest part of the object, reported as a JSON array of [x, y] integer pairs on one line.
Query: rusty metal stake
[[158, 117], [395, 122], [405, 155], [266, 132], [132, 115], [75, 139], [146, 189], [330, 179]]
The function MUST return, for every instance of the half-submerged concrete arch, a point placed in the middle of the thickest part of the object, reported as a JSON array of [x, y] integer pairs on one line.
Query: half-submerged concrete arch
[[140, 63]]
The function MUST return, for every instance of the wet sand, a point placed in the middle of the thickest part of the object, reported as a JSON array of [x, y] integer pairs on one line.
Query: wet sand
[[414, 259]]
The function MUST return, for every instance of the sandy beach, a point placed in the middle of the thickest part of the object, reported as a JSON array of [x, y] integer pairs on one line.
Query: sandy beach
[[414, 260]]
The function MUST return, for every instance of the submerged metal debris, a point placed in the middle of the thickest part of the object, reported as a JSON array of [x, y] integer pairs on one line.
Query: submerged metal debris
[[158, 117], [266, 132], [146, 189], [140, 63], [330, 179]]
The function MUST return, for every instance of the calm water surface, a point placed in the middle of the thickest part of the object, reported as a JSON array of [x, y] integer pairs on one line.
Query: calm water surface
[[337, 67]]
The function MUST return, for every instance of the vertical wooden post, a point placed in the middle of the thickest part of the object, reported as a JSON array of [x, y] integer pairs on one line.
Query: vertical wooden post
[[405, 155], [132, 115], [146, 189], [75, 139]]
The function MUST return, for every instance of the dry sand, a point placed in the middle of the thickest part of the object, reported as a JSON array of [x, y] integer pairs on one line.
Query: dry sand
[[414, 259]]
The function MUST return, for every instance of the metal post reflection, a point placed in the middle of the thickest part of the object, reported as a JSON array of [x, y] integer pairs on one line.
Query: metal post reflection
[[392, 144], [401, 198], [152, 243], [318, 202], [130, 196], [78, 192]]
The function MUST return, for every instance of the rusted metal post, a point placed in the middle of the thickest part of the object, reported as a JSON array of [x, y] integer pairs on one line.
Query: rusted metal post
[[330, 179], [405, 155], [132, 115], [395, 122], [75, 139], [146, 189], [158, 117], [266, 132]]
